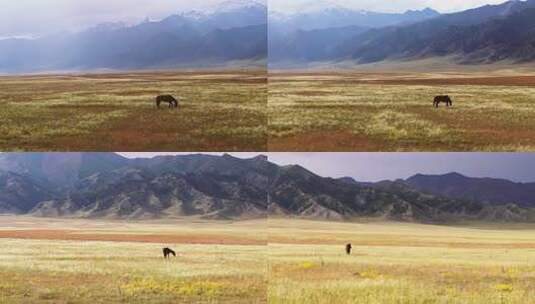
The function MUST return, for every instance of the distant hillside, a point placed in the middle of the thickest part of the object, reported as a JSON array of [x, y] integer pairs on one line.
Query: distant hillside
[[232, 34], [106, 185], [19, 194], [315, 36], [60, 169], [308, 46], [491, 190], [138, 193], [298, 192], [486, 34]]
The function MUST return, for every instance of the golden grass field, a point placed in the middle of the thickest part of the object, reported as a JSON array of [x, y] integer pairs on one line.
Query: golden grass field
[[392, 111], [93, 261], [400, 263], [297, 111], [220, 111], [216, 262]]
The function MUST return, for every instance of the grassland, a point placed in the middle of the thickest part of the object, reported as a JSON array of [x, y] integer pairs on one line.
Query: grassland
[[400, 263], [264, 261], [235, 111], [217, 262], [392, 111], [219, 111]]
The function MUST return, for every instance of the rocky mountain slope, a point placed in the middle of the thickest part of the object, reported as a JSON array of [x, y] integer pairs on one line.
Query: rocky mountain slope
[[107, 185], [296, 191]]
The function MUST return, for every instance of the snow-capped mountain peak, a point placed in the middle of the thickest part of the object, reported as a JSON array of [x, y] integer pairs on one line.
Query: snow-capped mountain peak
[[232, 5]]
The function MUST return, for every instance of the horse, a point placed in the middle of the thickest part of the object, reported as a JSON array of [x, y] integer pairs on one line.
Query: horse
[[442, 98], [348, 249], [167, 252], [173, 103]]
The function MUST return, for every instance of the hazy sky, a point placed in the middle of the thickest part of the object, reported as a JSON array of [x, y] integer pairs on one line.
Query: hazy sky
[[38, 17], [380, 166], [152, 154], [35, 17], [381, 5]]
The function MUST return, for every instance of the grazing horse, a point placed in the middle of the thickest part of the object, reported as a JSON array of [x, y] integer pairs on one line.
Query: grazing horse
[[443, 98], [348, 249], [167, 252], [173, 103]]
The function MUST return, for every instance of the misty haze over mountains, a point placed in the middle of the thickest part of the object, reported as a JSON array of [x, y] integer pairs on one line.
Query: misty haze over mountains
[[235, 34], [242, 33], [107, 185], [486, 34]]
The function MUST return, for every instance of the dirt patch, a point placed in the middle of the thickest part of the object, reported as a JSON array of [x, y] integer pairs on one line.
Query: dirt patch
[[324, 142], [483, 81], [74, 235]]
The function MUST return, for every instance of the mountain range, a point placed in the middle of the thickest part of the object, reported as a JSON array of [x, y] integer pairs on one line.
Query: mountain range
[[482, 35], [316, 35], [298, 192], [339, 17], [243, 33], [107, 185], [489, 190], [234, 33]]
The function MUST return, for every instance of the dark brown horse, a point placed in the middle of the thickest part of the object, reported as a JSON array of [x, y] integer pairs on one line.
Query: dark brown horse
[[167, 252], [442, 98], [173, 103], [348, 249]]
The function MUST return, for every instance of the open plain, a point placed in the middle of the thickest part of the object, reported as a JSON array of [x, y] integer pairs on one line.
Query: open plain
[[393, 111], [400, 263], [218, 111], [259, 261], [92, 261]]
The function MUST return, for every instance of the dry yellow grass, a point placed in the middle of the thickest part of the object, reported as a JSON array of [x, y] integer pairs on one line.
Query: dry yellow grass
[[304, 262], [400, 263], [239, 111], [59, 271], [381, 111], [219, 111]]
